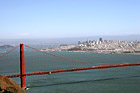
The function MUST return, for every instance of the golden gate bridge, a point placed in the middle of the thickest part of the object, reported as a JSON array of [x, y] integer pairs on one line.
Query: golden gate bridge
[[66, 61]]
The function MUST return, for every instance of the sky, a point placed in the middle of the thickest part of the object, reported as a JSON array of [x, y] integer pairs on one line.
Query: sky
[[68, 18]]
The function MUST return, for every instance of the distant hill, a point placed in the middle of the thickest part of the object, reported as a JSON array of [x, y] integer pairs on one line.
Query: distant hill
[[6, 46]]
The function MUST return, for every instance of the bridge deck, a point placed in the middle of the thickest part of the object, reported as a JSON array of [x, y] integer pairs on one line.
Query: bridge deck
[[74, 69]]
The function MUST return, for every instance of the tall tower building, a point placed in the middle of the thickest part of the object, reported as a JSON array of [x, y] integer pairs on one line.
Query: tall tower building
[[100, 39]]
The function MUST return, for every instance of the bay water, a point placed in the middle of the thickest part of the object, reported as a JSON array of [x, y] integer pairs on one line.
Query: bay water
[[113, 80]]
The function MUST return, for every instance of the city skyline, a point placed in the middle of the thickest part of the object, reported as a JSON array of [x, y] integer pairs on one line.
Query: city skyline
[[60, 18]]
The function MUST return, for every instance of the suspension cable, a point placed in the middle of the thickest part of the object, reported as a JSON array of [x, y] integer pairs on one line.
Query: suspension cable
[[64, 57], [9, 51]]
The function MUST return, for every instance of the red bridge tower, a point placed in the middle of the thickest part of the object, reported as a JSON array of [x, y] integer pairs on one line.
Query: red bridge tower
[[22, 66]]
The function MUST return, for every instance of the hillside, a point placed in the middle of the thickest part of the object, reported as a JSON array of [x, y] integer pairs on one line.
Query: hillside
[[7, 85], [6, 46]]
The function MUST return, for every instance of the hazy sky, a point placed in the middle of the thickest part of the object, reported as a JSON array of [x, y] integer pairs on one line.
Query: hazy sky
[[68, 18]]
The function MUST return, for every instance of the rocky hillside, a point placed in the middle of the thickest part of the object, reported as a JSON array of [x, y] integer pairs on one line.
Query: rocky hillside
[[7, 85]]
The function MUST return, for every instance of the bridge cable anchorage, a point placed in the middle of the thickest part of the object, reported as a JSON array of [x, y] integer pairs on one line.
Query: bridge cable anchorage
[[9, 51], [64, 57]]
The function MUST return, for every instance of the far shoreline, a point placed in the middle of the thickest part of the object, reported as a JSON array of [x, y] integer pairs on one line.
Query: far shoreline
[[95, 52]]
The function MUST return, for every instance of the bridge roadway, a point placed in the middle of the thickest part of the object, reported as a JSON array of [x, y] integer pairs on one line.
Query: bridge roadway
[[74, 69]]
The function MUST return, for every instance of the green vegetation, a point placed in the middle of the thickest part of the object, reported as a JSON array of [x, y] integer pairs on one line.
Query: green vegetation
[[74, 49]]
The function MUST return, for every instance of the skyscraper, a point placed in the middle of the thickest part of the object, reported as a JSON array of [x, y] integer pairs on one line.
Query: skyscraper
[[100, 39]]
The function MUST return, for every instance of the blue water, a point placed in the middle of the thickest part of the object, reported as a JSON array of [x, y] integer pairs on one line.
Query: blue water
[[114, 80]]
